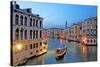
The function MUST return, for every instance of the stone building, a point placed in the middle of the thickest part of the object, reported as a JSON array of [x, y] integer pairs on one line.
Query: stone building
[[89, 31], [73, 33], [26, 33]]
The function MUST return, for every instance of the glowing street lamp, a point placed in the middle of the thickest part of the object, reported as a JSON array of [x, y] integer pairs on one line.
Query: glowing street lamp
[[19, 46]]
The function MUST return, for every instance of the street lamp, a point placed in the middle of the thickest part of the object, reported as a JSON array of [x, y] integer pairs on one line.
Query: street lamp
[[19, 46]]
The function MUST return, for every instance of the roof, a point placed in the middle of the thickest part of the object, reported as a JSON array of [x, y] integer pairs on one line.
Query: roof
[[25, 11]]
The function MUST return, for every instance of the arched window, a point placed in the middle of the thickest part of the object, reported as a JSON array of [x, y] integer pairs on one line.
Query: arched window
[[87, 40], [33, 34], [40, 43], [36, 23], [40, 24], [30, 34], [33, 22], [16, 19], [30, 21], [36, 45], [25, 21], [17, 34], [30, 46], [91, 41], [25, 34], [36, 33], [40, 34], [94, 41], [21, 20], [21, 34]]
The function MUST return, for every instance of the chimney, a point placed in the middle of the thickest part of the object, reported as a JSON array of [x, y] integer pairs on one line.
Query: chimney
[[29, 10]]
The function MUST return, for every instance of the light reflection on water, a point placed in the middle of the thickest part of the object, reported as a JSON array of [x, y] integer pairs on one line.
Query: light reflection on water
[[75, 53]]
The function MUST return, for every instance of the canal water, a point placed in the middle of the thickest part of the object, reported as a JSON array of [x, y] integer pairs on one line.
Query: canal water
[[76, 52]]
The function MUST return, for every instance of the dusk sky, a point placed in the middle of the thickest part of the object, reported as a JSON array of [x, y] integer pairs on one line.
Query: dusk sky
[[55, 15]]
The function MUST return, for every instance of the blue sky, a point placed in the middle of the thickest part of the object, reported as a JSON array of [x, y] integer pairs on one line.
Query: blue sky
[[55, 15]]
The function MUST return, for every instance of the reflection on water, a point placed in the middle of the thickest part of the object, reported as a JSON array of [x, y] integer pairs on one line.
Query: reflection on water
[[75, 53]]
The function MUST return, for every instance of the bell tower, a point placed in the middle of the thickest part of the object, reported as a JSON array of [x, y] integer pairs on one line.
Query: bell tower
[[66, 24]]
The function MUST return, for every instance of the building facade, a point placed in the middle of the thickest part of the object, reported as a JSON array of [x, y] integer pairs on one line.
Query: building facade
[[89, 31], [56, 32], [73, 33], [27, 39]]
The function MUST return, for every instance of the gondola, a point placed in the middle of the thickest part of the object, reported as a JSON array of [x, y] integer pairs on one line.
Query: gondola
[[60, 52]]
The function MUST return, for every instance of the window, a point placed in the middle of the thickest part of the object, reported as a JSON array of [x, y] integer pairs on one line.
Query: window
[[25, 34], [25, 21], [36, 33], [36, 51], [16, 19], [21, 33], [30, 21], [94, 41], [91, 41], [40, 43], [30, 34], [40, 34], [36, 23], [40, 49], [30, 52], [40, 23], [87, 40], [33, 22], [30, 46], [36, 45], [17, 34], [33, 34], [21, 20]]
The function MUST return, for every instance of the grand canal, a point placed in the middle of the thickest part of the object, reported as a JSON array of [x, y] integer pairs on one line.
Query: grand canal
[[75, 53]]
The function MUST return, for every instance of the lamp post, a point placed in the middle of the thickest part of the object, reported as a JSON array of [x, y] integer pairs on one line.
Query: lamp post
[[19, 46]]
